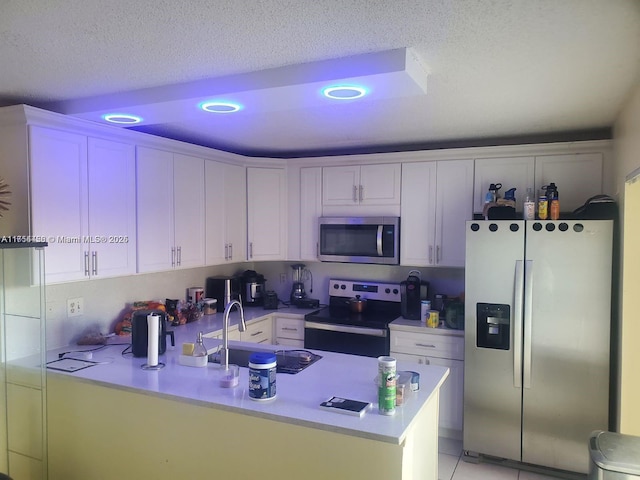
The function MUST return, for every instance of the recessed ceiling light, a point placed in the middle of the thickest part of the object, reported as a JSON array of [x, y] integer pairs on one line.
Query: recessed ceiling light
[[122, 118], [344, 92], [220, 107]]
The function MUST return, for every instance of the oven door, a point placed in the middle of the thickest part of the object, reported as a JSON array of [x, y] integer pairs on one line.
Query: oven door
[[369, 342]]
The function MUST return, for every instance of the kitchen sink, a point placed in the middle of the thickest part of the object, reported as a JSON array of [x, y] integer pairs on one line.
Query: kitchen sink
[[287, 361]]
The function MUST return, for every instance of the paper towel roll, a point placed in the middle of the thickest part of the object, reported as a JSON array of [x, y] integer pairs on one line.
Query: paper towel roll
[[153, 324]]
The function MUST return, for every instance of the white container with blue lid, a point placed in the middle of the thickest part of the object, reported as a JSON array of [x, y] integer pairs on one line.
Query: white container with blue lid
[[262, 376]]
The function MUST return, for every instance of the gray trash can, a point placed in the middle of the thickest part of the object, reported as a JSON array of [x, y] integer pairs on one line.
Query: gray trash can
[[614, 456]]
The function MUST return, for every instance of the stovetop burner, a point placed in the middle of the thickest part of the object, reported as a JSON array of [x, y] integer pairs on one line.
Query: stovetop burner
[[383, 304]]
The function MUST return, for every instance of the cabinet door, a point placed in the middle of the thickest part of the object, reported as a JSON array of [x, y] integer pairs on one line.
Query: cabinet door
[[59, 200], [578, 177], [188, 201], [215, 213], [454, 208], [112, 207], [235, 194], [340, 185], [380, 184], [289, 328], [310, 211], [266, 213], [154, 174], [451, 393], [418, 211], [513, 172]]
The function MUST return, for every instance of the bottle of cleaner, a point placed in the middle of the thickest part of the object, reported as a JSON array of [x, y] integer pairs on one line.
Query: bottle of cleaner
[[554, 201], [529, 207], [542, 204]]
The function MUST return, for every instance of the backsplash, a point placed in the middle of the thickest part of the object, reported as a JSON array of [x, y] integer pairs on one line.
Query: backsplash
[[105, 299]]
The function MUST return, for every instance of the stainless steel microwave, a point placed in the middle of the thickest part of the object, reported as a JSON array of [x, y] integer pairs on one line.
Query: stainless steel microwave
[[359, 240]]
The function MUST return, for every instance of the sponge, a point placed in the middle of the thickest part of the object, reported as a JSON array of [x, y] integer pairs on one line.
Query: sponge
[[187, 348]]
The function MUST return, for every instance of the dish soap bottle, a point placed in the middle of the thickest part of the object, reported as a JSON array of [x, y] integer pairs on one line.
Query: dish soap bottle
[[529, 207], [199, 350]]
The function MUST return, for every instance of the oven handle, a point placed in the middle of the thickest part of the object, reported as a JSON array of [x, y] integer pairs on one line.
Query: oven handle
[[372, 332]]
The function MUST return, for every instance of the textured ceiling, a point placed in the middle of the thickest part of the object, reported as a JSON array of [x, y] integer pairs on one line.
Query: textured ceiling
[[497, 68]]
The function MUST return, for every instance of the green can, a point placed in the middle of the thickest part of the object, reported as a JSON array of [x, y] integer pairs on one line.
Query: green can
[[386, 385]]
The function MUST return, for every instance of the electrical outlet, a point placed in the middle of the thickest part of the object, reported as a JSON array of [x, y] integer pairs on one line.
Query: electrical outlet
[[283, 278], [75, 307]]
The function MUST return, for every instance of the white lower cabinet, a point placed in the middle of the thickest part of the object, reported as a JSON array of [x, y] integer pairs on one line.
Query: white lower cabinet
[[289, 331], [446, 349]]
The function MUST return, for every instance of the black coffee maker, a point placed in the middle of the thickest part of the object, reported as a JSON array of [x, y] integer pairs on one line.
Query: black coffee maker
[[140, 332], [412, 291]]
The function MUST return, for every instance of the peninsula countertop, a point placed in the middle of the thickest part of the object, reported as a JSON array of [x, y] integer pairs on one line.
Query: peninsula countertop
[[298, 395]]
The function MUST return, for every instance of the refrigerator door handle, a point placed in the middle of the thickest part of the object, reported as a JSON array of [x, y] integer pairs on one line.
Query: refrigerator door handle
[[517, 325], [528, 306]]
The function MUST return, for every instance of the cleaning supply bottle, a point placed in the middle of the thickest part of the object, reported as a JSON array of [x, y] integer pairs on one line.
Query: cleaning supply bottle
[[542, 204], [554, 201], [529, 207]]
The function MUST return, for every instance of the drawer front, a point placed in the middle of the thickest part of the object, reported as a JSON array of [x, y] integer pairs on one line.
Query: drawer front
[[289, 328], [442, 346], [259, 332]]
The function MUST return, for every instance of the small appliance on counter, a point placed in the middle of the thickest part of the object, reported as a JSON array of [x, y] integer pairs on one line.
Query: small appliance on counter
[[139, 332], [298, 295], [412, 291], [270, 300], [224, 289], [252, 288]]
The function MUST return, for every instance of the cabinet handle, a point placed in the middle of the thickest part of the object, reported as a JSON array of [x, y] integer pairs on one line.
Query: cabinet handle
[[226, 251], [173, 256], [179, 256], [438, 256], [425, 345], [250, 249], [231, 251], [361, 193], [289, 329], [94, 263], [355, 194], [86, 264], [430, 253], [317, 250], [257, 333]]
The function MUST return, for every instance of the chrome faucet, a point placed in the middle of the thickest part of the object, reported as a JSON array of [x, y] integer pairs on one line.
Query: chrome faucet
[[242, 326]]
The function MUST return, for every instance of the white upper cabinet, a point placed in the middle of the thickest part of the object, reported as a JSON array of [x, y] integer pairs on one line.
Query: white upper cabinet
[[436, 202], [577, 176], [83, 201], [361, 186], [266, 213], [170, 191], [112, 207], [226, 213], [310, 211], [511, 172]]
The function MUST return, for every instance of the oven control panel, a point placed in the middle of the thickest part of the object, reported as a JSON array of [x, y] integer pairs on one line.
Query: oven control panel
[[389, 292]]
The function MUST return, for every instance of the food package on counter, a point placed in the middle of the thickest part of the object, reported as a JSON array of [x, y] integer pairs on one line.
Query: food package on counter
[[123, 327]]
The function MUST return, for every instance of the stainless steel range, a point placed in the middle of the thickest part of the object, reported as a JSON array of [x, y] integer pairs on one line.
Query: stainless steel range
[[338, 328]]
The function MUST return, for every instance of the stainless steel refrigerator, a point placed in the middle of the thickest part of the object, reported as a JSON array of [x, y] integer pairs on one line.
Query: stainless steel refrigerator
[[537, 331]]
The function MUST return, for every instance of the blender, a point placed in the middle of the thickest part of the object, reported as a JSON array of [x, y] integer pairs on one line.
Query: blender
[[298, 295]]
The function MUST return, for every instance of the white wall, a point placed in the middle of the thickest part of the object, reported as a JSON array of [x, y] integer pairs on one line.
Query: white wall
[[627, 155]]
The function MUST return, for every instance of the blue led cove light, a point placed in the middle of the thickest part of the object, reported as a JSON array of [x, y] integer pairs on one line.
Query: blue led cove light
[[344, 92], [121, 118], [220, 107]]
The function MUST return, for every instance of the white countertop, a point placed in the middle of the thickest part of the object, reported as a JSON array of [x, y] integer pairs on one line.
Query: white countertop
[[298, 396], [421, 327]]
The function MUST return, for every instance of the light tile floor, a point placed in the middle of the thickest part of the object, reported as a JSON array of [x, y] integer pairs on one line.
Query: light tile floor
[[451, 466]]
